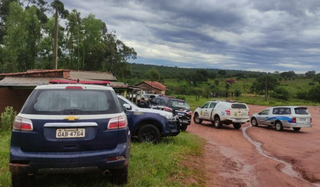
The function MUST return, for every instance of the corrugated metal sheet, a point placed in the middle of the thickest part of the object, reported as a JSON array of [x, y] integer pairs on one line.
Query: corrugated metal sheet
[[24, 81], [83, 75]]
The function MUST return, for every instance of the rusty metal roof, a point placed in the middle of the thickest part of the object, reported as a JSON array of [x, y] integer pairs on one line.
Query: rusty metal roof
[[24, 81], [92, 75]]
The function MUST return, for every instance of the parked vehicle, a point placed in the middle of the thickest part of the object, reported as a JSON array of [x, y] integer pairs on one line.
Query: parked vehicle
[[176, 106], [70, 128], [222, 112], [283, 117], [149, 125]]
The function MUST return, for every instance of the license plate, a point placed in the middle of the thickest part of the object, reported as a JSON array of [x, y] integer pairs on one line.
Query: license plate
[[302, 119], [70, 133], [238, 119], [180, 114]]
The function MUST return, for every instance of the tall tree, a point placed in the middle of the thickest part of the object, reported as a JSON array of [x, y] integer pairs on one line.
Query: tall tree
[[265, 83], [22, 38]]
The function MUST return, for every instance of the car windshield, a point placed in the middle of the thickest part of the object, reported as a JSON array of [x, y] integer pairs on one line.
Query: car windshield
[[180, 104], [303, 111], [68, 101]]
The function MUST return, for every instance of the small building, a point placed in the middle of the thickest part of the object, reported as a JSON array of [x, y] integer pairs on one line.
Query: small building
[[16, 87], [231, 81], [153, 87]]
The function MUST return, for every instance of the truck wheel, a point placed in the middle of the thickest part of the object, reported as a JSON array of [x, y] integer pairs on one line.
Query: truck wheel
[[237, 125], [296, 129], [22, 180], [149, 133], [254, 122], [120, 176], [183, 127], [196, 119], [217, 122], [278, 126]]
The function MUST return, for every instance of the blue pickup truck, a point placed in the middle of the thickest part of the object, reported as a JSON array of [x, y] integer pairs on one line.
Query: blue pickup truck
[[149, 125]]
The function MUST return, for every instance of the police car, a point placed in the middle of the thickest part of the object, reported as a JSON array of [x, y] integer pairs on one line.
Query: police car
[[70, 128], [295, 117]]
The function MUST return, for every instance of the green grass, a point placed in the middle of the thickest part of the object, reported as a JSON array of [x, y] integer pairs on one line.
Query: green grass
[[164, 164]]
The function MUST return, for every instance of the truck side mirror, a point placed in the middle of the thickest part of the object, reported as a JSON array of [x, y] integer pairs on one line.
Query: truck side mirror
[[126, 106]]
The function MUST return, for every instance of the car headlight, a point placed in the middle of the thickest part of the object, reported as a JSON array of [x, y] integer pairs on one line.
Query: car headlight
[[168, 116]]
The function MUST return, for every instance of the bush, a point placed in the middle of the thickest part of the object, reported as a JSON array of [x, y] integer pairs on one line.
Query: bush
[[312, 83], [237, 93], [281, 93], [181, 97], [313, 94], [302, 95], [7, 118]]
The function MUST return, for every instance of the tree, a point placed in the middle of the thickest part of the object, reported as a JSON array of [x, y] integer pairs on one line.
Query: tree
[[153, 75], [310, 74], [22, 38], [222, 73], [265, 83]]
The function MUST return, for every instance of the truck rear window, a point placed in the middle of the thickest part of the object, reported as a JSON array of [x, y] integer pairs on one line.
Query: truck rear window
[[238, 106], [181, 104], [303, 111], [66, 102]]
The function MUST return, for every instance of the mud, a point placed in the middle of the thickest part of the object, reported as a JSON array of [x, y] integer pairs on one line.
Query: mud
[[272, 158]]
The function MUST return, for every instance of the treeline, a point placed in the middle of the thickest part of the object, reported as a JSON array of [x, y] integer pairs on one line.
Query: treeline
[[27, 34], [141, 71]]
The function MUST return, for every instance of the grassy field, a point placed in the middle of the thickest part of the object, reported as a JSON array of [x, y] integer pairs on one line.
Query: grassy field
[[293, 86], [164, 164]]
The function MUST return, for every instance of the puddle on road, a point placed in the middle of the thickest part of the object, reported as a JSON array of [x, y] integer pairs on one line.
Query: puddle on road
[[288, 169]]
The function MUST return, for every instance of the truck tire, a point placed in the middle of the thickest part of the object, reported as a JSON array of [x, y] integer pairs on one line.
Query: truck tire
[[183, 127], [149, 133], [18, 180], [196, 119], [237, 125], [120, 176], [217, 122]]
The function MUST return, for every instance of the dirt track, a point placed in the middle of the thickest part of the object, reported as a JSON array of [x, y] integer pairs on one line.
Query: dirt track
[[231, 160]]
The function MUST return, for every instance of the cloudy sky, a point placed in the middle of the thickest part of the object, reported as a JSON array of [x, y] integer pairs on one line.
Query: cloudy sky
[[257, 35]]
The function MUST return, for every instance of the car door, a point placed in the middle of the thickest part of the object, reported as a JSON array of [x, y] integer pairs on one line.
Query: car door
[[211, 110], [204, 111], [263, 116]]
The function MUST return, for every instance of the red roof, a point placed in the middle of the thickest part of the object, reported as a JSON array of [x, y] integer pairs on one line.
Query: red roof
[[156, 85]]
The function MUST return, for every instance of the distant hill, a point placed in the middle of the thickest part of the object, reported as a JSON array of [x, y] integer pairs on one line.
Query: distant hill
[[166, 72]]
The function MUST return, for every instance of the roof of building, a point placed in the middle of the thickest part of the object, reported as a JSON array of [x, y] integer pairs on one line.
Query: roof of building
[[24, 81], [155, 84], [92, 75], [66, 73]]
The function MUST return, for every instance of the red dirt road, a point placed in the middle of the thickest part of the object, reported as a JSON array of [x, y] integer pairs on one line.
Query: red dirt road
[[231, 160]]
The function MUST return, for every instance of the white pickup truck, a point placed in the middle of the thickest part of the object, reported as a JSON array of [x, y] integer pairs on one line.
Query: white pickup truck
[[222, 112]]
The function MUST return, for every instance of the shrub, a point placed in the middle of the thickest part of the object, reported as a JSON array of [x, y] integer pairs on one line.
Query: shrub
[[312, 83], [281, 93], [7, 118], [181, 97], [237, 93], [302, 95], [313, 93]]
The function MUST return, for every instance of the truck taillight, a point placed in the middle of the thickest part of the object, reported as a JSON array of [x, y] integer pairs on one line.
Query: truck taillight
[[118, 122], [294, 120], [228, 112], [189, 113], [310, 120], [22, 124]]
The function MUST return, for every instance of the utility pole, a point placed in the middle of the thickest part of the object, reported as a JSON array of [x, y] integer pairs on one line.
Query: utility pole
[[55, 45]]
